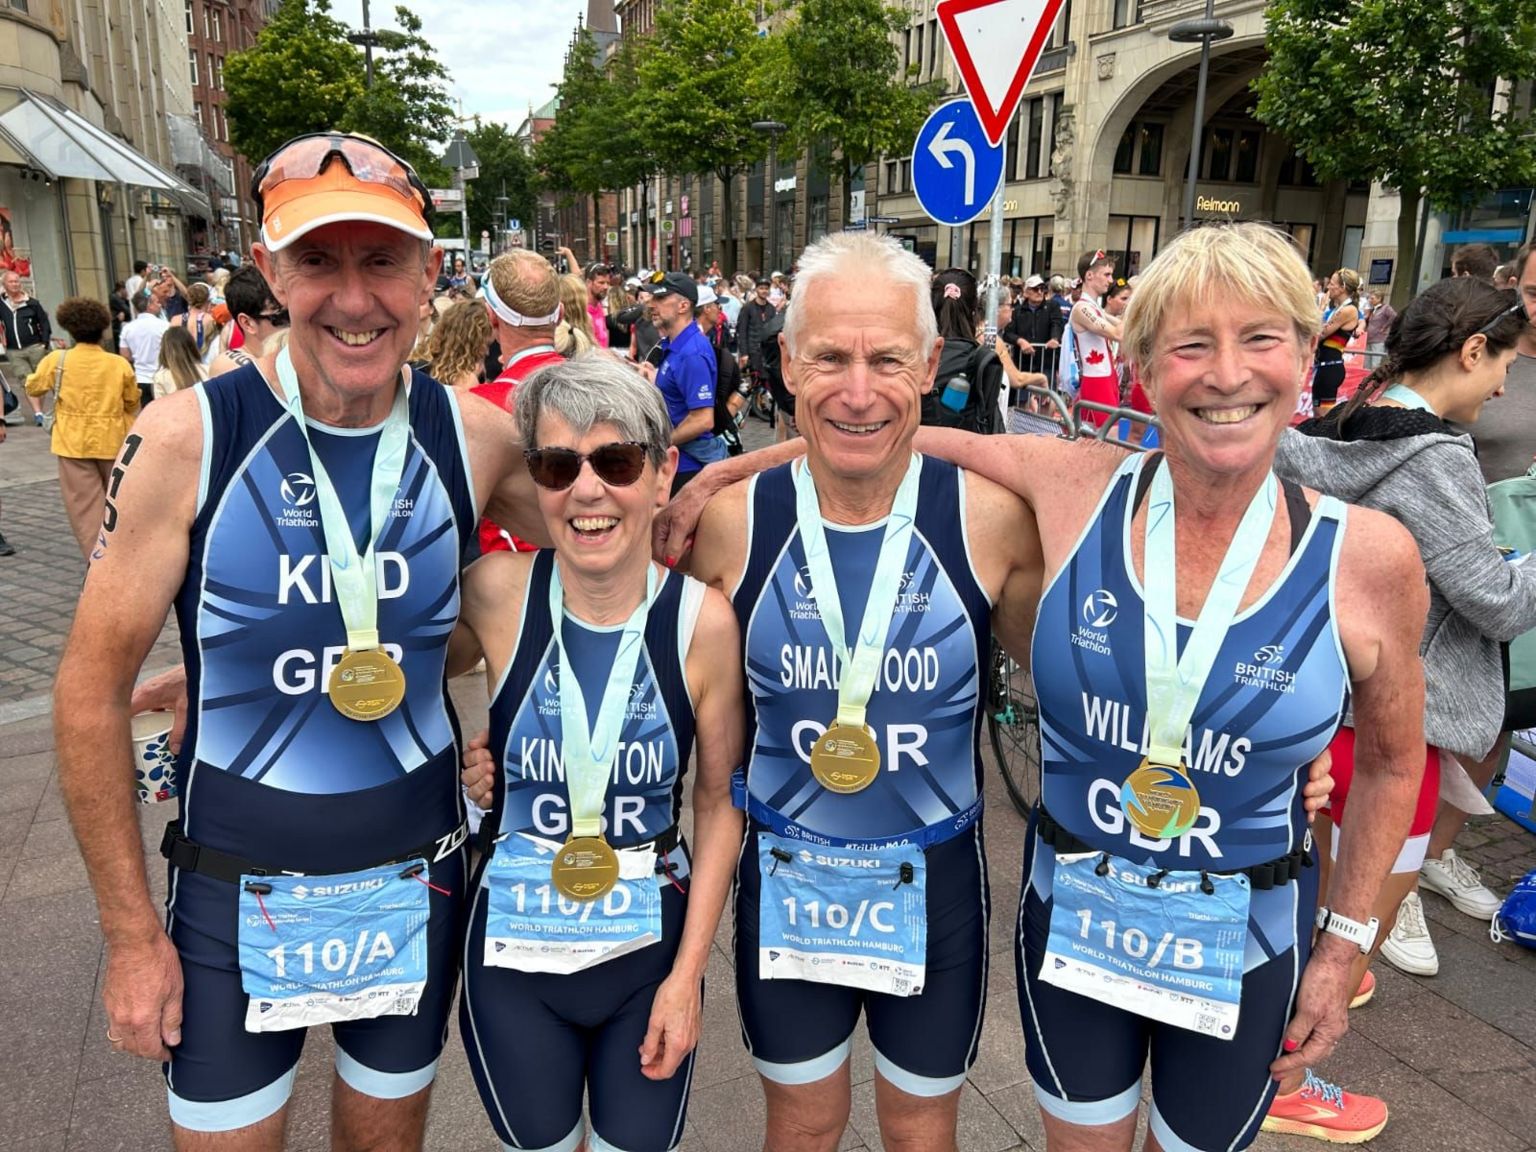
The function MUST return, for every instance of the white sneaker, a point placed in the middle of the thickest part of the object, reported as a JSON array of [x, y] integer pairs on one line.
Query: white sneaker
[[1408, 947], [1458, 882]]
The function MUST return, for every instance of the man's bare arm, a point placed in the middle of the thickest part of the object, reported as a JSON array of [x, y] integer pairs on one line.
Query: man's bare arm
[[673, 531], [138, 566], [503, 489]]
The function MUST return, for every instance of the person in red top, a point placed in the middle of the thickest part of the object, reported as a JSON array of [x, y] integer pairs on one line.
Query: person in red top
[[522, 295], [597, 276]]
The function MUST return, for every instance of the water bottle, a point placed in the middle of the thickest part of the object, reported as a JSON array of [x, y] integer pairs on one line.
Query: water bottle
[[956, 393]]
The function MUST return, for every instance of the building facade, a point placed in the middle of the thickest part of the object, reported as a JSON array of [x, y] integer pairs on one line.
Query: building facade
[[86, 170], [1096, 157]]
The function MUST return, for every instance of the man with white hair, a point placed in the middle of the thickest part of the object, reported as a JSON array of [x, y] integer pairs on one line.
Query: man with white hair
[[306, 516], [915, 564]]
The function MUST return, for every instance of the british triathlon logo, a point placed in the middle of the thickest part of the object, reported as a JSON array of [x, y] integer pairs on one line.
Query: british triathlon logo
[[1265, 671], [1099, 611]]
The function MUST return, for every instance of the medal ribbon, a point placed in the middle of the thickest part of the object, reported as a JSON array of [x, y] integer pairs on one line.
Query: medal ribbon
[[860, 668], [588, 750], [1174, 683], [1408, 398], [354, 577]]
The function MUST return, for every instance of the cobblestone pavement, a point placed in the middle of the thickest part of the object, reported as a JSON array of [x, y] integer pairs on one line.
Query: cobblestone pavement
[[1453, 1055]]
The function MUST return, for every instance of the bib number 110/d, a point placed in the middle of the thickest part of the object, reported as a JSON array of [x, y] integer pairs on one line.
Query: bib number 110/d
[[545, 901], [1138, 945], [334, 954], [839, 917]]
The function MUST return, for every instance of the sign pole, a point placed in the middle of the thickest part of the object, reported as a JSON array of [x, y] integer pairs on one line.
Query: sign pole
[[994, 264]]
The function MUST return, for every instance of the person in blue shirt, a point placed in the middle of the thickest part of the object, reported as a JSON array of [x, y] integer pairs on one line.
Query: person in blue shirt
[[686, 374]]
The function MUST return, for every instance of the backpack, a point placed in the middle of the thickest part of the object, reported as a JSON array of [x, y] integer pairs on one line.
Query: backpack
[[983, 371], [1069, 370]]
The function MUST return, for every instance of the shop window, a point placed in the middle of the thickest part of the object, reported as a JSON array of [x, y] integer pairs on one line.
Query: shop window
[[1218, 154], [1151, 144], [1296, 172], [1125, 150], [1036, 111], [1247, 166], [816, 219]]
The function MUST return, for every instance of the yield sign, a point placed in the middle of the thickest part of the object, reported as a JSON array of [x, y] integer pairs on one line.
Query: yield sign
[[996, 44]]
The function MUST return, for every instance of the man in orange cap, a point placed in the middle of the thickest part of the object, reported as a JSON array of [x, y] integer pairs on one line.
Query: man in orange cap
[[306, 516]]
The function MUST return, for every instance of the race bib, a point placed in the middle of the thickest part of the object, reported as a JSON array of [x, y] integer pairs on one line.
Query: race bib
[[857, 918], [531, 927], [323, 949], [1171, 951]]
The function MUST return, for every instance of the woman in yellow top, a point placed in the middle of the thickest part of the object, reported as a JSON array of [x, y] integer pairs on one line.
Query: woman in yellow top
[[96, 399]]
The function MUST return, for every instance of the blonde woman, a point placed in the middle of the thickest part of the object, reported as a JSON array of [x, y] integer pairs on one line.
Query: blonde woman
[[179, 364], [458, 344], [1338, 329], [574, 334]]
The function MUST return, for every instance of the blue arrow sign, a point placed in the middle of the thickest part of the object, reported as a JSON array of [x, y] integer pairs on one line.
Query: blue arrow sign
[[955, 172]]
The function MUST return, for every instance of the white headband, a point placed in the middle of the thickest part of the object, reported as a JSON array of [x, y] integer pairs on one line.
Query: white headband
[[511, 315]]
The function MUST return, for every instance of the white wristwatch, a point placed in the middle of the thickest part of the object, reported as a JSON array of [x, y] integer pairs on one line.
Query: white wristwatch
[[1358, 934]]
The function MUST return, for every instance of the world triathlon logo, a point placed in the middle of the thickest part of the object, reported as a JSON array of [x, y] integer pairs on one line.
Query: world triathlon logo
[[1100, 609], [803, 583], [298, 490]]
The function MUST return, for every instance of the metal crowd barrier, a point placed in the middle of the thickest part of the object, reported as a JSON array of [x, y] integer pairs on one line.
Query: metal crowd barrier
[[1048, 413]]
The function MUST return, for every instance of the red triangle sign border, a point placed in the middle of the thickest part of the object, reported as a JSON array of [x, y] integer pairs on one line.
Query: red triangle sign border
[[994, 121]]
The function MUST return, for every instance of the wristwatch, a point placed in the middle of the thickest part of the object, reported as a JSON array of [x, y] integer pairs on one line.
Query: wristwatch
[[1358, 934]]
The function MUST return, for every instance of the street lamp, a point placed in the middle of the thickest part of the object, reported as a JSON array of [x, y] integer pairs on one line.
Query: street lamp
[[466, 166], [368, 40], [1200, 31], [773, 129]]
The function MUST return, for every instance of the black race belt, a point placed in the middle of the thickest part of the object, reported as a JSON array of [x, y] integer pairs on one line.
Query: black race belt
[[190, 856], [1271, 874], [662, 843]]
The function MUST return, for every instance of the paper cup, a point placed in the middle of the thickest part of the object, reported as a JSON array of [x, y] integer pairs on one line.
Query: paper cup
[[154, 768]]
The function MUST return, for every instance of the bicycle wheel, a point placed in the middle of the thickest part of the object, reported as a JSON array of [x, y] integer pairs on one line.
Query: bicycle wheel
[[761, 404], [1013, 723]]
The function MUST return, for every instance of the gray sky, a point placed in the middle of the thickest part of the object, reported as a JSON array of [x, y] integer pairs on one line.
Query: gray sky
[[500, 57]]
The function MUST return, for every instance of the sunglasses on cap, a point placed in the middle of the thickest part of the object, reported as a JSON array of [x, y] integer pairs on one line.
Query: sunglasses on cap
[[305, 157], [618, 464], [278, 318]]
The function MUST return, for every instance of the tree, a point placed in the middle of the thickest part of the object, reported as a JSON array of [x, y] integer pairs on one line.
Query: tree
[[297, 77], [840, 88], [406, 109], [302, 75], [703, 82], [504, 165], [1403, 91]]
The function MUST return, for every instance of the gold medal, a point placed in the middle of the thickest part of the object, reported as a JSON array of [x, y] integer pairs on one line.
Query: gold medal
[[366, 685], [586, 868], [846, 759], [1161, 801]]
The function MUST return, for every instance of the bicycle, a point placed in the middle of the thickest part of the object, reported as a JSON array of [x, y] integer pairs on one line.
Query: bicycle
[[1013, 724]]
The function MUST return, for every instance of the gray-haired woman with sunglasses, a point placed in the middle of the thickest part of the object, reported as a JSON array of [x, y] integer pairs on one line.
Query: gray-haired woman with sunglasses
[[591, 919]]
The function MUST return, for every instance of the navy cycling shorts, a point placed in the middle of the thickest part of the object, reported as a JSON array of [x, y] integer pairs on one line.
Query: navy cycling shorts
[[221, 1077], [799, 1031], [1087, 1058], [538, 1040]]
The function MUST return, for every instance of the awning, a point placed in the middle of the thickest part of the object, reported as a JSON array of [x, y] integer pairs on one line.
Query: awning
[[41, 133]]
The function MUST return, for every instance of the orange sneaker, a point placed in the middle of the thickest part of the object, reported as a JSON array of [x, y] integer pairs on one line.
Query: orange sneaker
[[1326, 1112], [1366, 990]]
